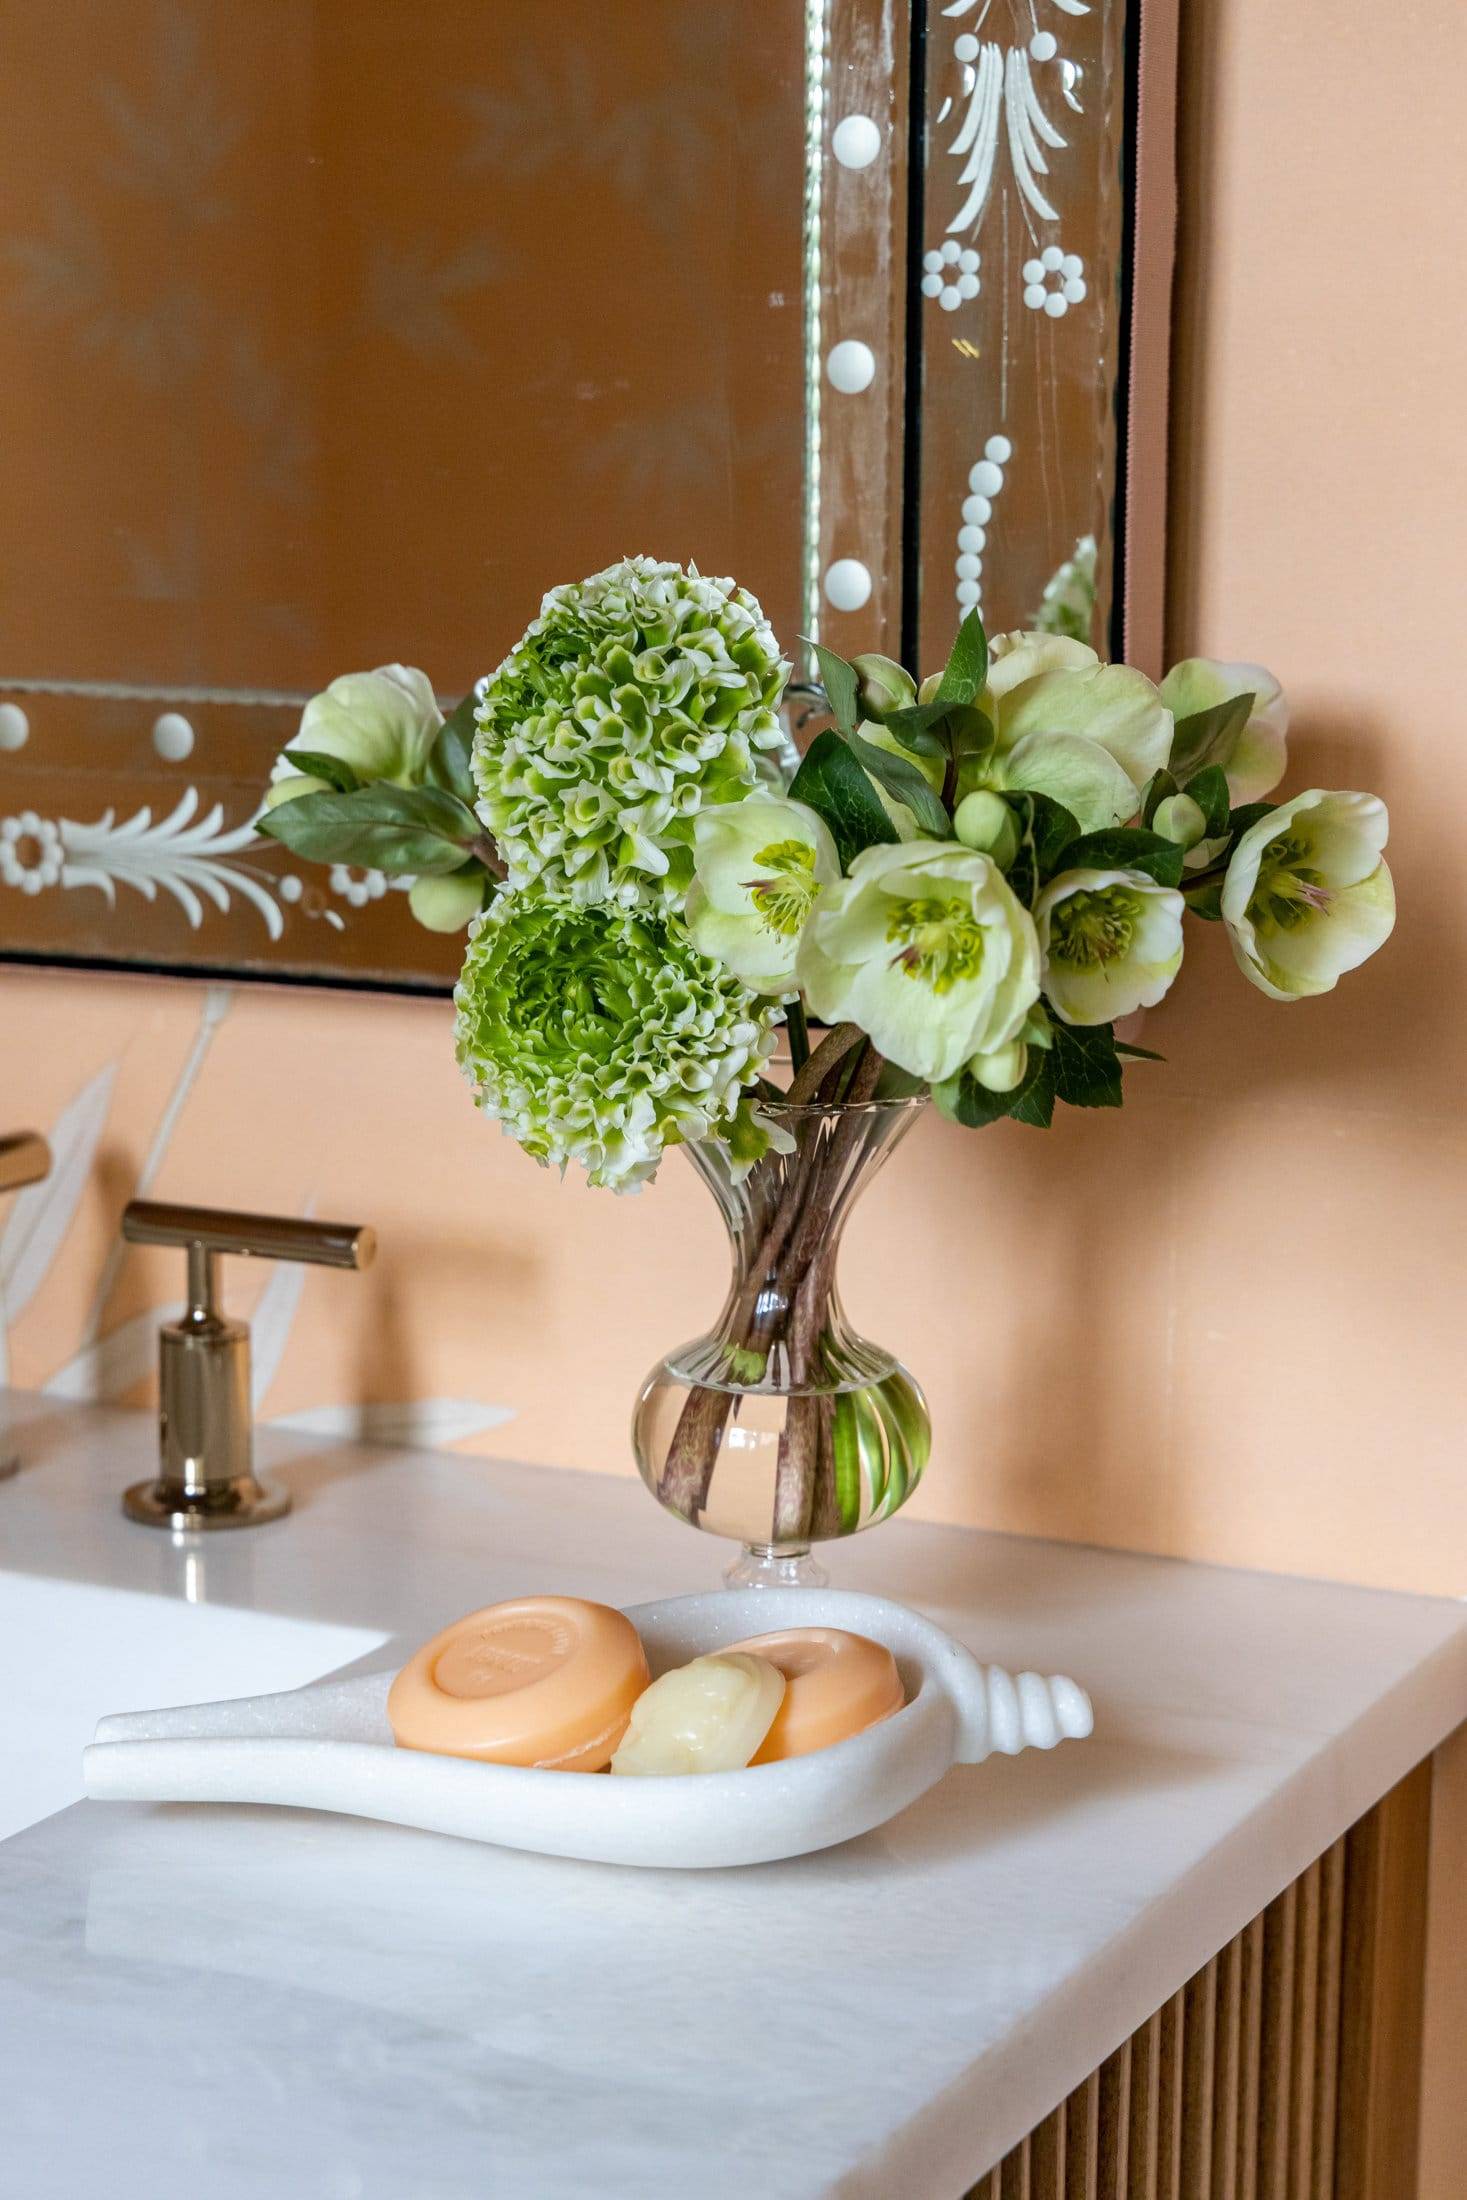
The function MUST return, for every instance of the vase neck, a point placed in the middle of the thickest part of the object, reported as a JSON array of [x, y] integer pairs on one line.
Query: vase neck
[[785, 1216]]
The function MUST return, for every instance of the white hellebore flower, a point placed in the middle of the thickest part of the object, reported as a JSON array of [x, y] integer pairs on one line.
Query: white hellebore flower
[[1112, 943], [383, 724], [927, 948], [1087, 734], [758, 866], [1258, 757], [1307, 897]]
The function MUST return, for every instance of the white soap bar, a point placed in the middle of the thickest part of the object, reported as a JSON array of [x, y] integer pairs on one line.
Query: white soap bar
[[709, 1716]]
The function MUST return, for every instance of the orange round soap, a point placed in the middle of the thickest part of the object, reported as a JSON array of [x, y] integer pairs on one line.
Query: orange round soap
[[838, 1685], [543, 1681]]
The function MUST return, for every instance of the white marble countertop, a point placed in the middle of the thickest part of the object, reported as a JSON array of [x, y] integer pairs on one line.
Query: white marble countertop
[[243, 2002]]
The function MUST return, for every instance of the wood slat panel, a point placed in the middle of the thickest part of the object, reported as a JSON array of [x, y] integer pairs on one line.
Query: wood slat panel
[[1250, 1943], [1082, 2141], [1013, 2176], [1331, 1963], [1227, 2030], [1381, 1986], [1305, 2042], [1198, 2064], [1288, 2068], [1142, 2155], [1047, 2159], [1278, 2031], [1171, 2099], [1115, 2123]]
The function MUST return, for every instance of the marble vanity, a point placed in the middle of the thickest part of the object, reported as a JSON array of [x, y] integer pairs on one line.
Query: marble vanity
[[238, 2002]]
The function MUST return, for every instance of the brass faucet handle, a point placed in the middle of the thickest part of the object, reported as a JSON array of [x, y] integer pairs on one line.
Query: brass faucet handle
[[207, 1477], [266, 1237], [25, 1158]]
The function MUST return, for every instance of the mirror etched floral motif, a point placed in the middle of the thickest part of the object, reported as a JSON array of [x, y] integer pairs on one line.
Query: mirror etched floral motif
[[329, 328]]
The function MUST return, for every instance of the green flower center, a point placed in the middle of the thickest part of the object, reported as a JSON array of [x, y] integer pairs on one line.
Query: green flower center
[[1088, 930], [787, 885], [940, 942], [1289, 890]]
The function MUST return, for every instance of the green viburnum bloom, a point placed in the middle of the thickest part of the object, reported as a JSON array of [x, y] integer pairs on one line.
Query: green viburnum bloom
[[758, 866], [1112, 943], [1307, 896], [1087, 734], [637, 699], [381, 724], [601, 1036], [928, 949], [1260, 753]]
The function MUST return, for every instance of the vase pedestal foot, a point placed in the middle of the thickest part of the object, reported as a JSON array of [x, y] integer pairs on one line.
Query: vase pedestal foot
[[771, 1566]]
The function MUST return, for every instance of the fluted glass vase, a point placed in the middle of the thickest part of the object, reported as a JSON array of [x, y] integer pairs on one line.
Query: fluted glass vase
[[781, 1427]]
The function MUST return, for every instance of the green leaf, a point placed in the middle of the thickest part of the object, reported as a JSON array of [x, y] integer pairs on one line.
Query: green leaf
[[1137, 1054], [1248, 814], [969, 730], [963, 1100], [916, 729], [316, 764], [1047, 827], [1033, 1103], [1209, 790], [903, 780], [1158, 787], [837, 789], [1087, 1073], [410, 832], [1209, 736], [842, 685], [1205, 900], [967, 665], [449, 765], [1125, 848]]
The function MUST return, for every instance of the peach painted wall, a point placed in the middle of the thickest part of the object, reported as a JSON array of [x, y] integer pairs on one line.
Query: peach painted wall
[[1225, 1323]]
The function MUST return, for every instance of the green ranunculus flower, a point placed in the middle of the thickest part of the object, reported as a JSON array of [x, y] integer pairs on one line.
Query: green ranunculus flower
[[1259, 755], [600, 1035], [381, 724], [636, 700], [928, 949], [1112, 943], [1307, 896], [758, 866]]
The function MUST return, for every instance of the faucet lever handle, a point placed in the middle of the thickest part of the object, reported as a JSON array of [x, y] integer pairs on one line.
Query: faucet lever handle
[[207, 1478], [25, 1158]]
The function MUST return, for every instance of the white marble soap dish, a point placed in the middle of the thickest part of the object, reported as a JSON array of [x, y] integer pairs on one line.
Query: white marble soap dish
[[329, 1747]]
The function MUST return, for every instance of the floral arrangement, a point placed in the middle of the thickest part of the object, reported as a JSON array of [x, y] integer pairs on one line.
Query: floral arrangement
[[963, 888], [969, 883]]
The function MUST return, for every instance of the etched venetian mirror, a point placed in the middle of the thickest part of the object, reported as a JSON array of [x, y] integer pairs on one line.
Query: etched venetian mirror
[[331, 331]]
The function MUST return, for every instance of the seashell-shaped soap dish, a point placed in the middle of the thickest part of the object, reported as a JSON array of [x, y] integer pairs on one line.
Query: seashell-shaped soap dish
[[329, 1747]]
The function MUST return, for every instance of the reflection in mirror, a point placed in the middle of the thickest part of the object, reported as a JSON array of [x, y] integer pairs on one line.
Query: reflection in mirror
[[334, 333]]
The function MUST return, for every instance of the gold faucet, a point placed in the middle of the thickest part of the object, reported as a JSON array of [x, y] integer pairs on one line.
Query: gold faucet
[[24, 1159], [206, 1477]]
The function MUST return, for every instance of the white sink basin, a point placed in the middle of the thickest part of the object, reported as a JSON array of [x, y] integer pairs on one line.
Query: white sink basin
[[70, 1652]]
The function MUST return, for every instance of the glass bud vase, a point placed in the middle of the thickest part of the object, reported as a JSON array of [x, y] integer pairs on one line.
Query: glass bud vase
[[782, 1427]]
